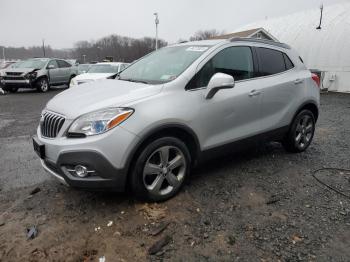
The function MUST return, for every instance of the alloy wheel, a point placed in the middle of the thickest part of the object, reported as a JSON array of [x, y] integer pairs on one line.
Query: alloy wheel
[[304, 131], [44, 86], [164, 170]]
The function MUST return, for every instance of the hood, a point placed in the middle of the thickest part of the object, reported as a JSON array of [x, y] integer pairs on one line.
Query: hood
[[93, 76], [19, 70], [97, 95]]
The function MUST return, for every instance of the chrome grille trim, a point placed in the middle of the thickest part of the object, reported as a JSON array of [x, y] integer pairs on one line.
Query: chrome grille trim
[[51, 124]]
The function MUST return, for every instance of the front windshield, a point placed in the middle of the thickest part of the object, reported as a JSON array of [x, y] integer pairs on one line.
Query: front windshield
[[100, 68], [164, 65], [33, 63], [16, 65]]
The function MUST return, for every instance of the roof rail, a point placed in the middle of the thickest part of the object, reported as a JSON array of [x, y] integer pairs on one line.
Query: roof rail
[[257, 40]]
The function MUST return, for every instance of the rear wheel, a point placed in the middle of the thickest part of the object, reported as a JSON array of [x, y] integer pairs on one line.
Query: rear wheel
[[301, 132], [160, 169], [42, 85]]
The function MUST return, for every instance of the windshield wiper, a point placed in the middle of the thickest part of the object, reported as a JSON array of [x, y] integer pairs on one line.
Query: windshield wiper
[[133, 80]]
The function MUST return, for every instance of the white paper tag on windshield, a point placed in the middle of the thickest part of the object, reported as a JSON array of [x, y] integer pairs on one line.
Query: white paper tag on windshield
[[197, 48]]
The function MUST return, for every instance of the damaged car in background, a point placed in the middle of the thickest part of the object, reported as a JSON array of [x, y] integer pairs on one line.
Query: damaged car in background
[[39, 73]]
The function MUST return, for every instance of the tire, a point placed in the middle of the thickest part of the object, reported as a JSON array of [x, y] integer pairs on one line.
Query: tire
[[13, 89], [163, 178], [42, 85], [301, 132]]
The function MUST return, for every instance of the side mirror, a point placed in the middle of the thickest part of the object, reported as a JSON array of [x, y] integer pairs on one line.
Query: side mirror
[[217, 82], [51, 67]]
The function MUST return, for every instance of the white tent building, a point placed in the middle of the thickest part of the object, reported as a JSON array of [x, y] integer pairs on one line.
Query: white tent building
[[327, 49]]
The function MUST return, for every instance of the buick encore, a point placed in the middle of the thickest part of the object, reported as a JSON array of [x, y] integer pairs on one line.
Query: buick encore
[[146, 129]]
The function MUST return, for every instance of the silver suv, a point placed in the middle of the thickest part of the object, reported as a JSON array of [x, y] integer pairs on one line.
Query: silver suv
[[39, 73], [173, 108]]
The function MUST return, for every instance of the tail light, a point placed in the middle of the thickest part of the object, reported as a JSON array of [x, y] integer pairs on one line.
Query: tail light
[[316, 79]]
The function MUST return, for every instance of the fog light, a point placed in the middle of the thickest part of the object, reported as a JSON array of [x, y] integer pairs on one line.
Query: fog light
[[81, 171]]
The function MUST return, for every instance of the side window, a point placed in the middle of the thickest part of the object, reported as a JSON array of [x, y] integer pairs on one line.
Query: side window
[[270, 61], [54, 63], [288, 62], [234, 61], [63, 64]]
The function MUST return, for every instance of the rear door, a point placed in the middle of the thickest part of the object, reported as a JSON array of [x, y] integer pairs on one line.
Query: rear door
[[66, 69], [54, 73], [232, 114], [278, 81]]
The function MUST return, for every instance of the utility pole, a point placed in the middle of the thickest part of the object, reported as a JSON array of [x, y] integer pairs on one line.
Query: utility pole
[[319, 27], [157, 23], [84, 58], [3, 53], [44, 47]]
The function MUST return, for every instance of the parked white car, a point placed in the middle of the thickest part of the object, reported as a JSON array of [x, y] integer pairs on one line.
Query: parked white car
[[98, 71]]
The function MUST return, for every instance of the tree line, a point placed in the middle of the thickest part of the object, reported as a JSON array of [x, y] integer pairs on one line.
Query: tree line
[[119, 48]]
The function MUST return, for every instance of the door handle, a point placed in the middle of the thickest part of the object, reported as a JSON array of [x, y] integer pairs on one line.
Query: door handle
[[254, 93], [298, 81]]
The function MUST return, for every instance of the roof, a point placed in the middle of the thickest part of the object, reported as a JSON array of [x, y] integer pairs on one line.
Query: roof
[[210, 42]]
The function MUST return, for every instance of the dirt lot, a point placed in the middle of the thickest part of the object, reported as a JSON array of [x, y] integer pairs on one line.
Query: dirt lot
[[260, 205]]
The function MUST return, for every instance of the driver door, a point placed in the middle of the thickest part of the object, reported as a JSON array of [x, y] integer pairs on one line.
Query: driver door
[[54, 73], [232, 114]]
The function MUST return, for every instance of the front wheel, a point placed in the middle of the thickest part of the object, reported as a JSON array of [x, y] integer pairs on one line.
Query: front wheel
[[13, 89], [160, 169], [301, 132], [43, 85]]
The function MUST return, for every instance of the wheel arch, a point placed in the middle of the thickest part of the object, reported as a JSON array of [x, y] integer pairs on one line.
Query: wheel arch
[[310, 105], [182, 132], [41, 77]]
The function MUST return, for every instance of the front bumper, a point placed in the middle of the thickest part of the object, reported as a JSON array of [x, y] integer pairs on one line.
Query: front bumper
[[105, 177], [106, 156], [17, 83]]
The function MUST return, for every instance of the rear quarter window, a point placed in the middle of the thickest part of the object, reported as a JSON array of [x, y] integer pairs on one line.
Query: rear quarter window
[[270, 61]]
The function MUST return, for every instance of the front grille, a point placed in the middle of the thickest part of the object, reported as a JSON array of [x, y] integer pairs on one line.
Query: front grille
[[13, 78], [51, 124], [13, 73]]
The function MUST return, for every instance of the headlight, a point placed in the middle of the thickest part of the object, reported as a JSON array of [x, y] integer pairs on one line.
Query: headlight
[[99, 122], [31, 75]]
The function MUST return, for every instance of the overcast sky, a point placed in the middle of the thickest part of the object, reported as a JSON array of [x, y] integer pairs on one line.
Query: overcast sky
[[63, 22]]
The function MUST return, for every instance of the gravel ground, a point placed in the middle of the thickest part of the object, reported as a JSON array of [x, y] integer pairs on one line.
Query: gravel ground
[[258, 205]]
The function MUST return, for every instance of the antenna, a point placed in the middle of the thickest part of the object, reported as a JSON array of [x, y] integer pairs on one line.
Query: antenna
[[319, 26]]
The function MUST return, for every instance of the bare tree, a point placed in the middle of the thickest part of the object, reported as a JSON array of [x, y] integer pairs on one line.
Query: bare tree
[[205, 34], [120, 48]]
